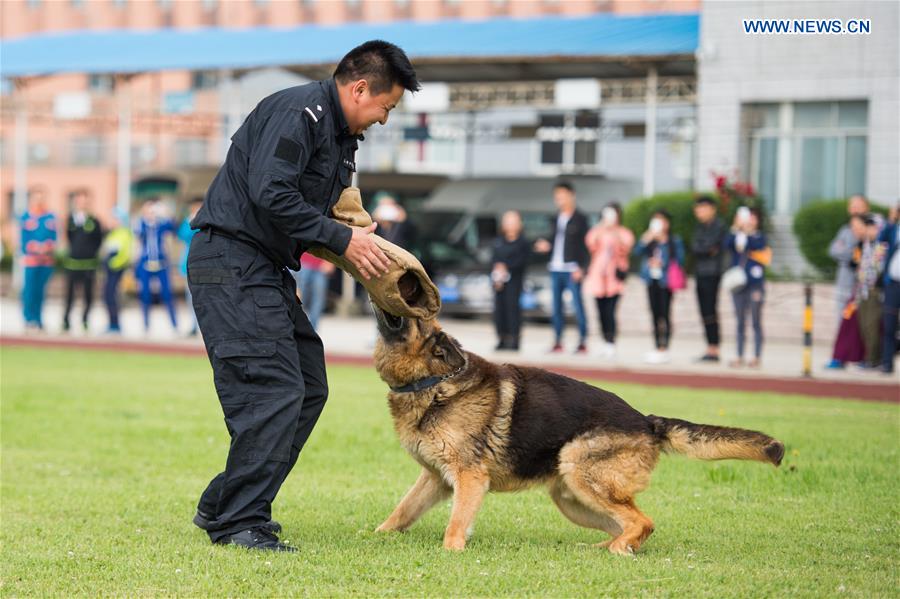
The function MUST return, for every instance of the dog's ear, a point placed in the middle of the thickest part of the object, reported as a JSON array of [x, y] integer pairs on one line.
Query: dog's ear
[[447, 349]]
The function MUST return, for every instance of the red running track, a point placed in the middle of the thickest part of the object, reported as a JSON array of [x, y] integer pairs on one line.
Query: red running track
[[887, 391]]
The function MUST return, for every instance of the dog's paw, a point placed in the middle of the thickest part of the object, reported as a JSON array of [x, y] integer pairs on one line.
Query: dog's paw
[[387, 526], [620, 547], [455, 543]]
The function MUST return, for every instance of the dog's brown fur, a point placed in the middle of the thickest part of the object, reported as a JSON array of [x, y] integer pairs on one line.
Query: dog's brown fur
[[490, 427]]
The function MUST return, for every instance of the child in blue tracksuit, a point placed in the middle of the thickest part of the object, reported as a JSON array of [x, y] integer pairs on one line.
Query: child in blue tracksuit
[[38, 227], [749, 249], [153, 264]]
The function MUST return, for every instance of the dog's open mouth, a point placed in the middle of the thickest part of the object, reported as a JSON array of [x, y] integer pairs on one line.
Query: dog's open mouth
[[388, 324], [393, 322]]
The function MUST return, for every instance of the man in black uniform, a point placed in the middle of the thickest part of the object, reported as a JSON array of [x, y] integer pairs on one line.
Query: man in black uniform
[[85, 237], [285, 170]]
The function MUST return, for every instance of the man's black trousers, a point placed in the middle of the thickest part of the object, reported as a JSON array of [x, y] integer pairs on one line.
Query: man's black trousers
[[85, 280], [708, 299], [507, 311], [269, 372]]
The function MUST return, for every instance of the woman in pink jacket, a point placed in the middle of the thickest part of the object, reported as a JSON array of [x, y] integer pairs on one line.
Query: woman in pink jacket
[[609, 244]]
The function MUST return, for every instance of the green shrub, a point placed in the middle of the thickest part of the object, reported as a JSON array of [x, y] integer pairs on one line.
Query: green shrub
[[816, 224]]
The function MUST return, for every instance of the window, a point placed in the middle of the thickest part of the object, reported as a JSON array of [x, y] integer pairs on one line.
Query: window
[[101, 83], [38, 153], [190, 152], [568, 140], [204, 79], [803, 151], [551, 126], [87, 151]]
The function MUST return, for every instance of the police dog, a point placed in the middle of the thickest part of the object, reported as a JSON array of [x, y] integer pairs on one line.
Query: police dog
[[475, 427]]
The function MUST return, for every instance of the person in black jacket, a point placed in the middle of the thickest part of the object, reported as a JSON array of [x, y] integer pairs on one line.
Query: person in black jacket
[[269, 203], [510, 257], [569, 259], [85, 237], [707, 249]]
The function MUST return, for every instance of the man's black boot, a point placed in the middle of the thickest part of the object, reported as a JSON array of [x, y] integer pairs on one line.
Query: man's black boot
[[256, 538], [202, 520]]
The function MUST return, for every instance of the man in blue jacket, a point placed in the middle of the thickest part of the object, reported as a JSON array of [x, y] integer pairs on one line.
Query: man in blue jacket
[[284, 172]]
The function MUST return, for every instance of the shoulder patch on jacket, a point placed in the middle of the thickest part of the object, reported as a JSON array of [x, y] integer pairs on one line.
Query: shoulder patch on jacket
[[288, 149], [312, 113]]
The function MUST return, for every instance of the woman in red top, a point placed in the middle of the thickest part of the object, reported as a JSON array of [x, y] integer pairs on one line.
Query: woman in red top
[[609, 244]]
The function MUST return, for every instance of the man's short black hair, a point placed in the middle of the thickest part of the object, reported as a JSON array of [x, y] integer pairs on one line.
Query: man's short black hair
[[381, 64], [565, 185], [705, 199], [663, 213]]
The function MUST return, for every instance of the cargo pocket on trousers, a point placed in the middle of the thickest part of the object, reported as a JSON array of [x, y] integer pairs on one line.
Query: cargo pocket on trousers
[[261, 425], [236, 363], [272, 318]]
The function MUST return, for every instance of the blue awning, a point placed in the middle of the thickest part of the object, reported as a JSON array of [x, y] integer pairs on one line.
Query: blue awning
[[131, 51]]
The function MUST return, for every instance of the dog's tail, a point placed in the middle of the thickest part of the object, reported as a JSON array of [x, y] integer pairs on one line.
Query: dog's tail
[[707, 442]]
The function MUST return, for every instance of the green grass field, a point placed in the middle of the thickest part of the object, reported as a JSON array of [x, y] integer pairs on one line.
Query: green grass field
[[104, 455]]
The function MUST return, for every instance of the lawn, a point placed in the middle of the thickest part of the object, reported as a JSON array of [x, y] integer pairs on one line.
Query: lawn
[[104, 455]]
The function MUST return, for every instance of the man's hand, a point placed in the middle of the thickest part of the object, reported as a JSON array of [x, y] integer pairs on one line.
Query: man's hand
[[542, 246], [365, 255], [577, 275]]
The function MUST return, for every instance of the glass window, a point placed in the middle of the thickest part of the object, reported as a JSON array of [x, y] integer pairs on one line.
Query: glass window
[[768, 166], [761, 116], [101, 83], [818, 169], [855, 166], [189, 152], [204, 79], [552, 120], [585, 152], [587, 120], [853, 114], [551, 152], [87, 151], [813, 115]]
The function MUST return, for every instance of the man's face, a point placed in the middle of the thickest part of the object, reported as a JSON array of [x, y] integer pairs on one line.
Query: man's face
[[367, 109], [564, 199], [704, 212], [80, 202], [857, 205]]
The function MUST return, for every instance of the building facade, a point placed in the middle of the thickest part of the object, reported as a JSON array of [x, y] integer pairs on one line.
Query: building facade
[[803, 116]]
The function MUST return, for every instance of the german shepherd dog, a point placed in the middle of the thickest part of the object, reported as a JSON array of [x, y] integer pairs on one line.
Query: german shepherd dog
[[475, 427]]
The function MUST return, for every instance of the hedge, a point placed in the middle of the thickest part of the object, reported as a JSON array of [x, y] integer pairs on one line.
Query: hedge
[[816, 224]]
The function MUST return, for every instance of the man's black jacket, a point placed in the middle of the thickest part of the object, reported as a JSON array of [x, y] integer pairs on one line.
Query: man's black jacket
[[574, 249], [707, 248], [84, 239], [285, 170]]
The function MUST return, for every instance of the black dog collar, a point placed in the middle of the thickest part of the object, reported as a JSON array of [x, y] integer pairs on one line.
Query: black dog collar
[[427, 382]]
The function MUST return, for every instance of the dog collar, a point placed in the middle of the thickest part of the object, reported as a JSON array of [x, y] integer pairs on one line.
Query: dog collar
[[427, 382]]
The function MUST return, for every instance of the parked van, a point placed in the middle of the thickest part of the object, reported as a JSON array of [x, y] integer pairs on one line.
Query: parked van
[[459, 222]]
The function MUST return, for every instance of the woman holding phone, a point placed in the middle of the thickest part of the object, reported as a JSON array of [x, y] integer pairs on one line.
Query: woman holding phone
[[749, 251], [662, 260], [609, 244]]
